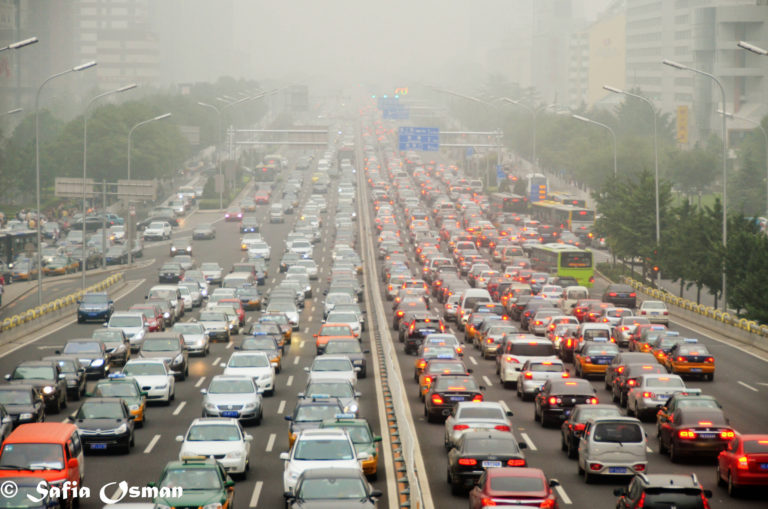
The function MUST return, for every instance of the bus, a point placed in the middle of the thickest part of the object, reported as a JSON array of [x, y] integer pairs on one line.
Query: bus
[[270, 167], [575, 219], [507, 202], [564, 260], [536, 187], [14, 242], [566, 198]]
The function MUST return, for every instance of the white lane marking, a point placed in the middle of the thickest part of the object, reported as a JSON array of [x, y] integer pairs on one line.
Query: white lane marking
[[648, 449], [216, 361], [256, 493], [151, 444], [762, 383], [563, 495], [312, 309], [472, 360], [295, 361], [748, 386], [230, 345], [301, 344], [487, 381], [306, 330], [281, 407], [179, 408], [272, 281], [504, 405], [250, 319], [271, 442], [200, 381], [528, 441], [48, 347], [289, 382]]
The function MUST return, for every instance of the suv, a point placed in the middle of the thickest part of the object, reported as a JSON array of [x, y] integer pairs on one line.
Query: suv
[[620, 296], [663, 490], [519, 349]]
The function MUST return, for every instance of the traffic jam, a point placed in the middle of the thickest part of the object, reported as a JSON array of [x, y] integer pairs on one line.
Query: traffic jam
[[242, 367]]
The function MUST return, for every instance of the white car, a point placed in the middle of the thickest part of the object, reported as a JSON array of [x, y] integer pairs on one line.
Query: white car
[[157, 230], [212, 272], [154, 378], [259, 249], [552, 292], [472, 416], [655, 311], [133, 324], [219, 437], [319, 448], [250, 239], [332, 367], [255, 365], [302, 248], [310, 265]]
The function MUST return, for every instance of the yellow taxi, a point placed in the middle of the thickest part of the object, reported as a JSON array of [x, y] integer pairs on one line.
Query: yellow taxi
[[689, 357], [594, 357], [363, 439]]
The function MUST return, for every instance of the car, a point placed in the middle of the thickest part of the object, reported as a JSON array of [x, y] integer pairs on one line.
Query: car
[[259, 249], [330, 331], [593, 357], [212, 272], [46, 377], [629, 377], [691, 359], [95, 306], [221, 438], [518, 349], [233, 214], [640, 340], [439, 365], [157, 230], [92, 354], [204, 232], [535, 374], [23, 403], [216, 324], [573, 427], [195, 337], [692, 431], [332, 486], [620, 295], [363, 438], [474, 416], [625, 329], [655, 310], [663, 490], [250, 298], [338, 389], [446, 391], [513, 487], [181, 247], [33, 492], [194, 482], [325, 448], [478, 450], [620, 362], [170, 348], [743, 463], [117, 255], [74, 373], [117, 344], [276, 213], [237, 397], [332, 367], [170, 272], [612, 446], [126, 388], [154, 378], [256, 365], [650, 392], [557, 397], [61, 265], [104, 424], [310, 412], [350, 349]]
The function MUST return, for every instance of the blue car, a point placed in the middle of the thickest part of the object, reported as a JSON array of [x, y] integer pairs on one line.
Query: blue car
[[95, 306]]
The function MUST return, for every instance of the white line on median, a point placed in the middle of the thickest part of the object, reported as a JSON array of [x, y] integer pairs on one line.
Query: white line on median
[[487, 381], [563, 495], [504, 405], [271, 442], [281, 407], [290, 381], [256, 493], [151, 444], [216, 361], [295, 361], [747, 386], [528, 441], [472, 360], [179, 408], [200, 381]]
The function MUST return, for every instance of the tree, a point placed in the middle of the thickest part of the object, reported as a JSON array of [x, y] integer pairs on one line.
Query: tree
[[693, 171]]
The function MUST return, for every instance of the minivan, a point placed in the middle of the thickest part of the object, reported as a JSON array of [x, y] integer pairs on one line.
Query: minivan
[[614, 446], [469, 298], [519, 349]]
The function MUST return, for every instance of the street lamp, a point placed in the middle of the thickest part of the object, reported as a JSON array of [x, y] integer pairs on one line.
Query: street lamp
[[85, 163], [20, 44], [751, 47], [11, 112], [655, 158], [130, 133], [533, 113], [78, 68], [765, 138], [613, 134], [683, 67]]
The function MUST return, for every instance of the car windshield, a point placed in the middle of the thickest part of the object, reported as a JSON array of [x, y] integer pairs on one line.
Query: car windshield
[[343, 347], [495, 446], [192, 479], [213, 317], [653, 305], [344, 317], [697, 403], [76, 347], [481, 413], [210, 266], [188, 328], [618, 432], [331, 488], [281, 306], [336, 390], [125, 321], [16, 397], [92, 410], [144, 369], [586, 413], [231, 387], [335, 330], [94, 299], [305, 413], [516, 484], [160, 345], [323, 450], [117, 390], [33, 373], [248, 361], [331, 365], [27, 456], [213, 432]]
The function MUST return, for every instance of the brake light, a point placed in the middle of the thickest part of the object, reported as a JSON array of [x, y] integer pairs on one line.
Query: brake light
[[502, 427], [612, 294], [710, 360], [547, 504], [436, 399], [467, 461], [641, 502], [742, 463], [565, 374], [422, 364], [631, 382], [687, 434], [512, 359], [595, 466], [727, 435], [553, 400], [620, 369], [460, 427], [579, 426], [427, 380], [528, 375], [487, 502], [633, 294], [649, 395], [681, 359], [516, 463], [639, 467], [478, 398]]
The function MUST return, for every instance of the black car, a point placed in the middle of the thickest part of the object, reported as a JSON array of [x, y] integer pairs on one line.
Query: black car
[[95, 306], [421, 326], [263, 343], [46, 377], [170, 273], [620, 295], [116, 255], [349, 487], [118, 346], [574, 425], [446, 391], [91, 353], [167, 218], [249, 224], [478, 450], [203, 232], [694, 431], [23, 402], [663, 490], [168, 346], [104, 424], [73, 371], [556, 399]]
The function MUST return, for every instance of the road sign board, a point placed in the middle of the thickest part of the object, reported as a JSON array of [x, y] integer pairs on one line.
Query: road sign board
[[387, 102], [73, 188], [399, 112], [500, 175], [144, 189], [419, 138]]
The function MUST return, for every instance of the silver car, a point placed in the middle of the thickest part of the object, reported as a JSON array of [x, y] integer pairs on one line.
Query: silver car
[[212, 272], [233, 396], [133, 324], [651, 392], [472, 416], [195, 337], [332, 367], [340, 389], [535, 373], [216, 324]]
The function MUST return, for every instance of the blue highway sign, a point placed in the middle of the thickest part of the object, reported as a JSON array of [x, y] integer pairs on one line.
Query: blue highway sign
[[419, 138]]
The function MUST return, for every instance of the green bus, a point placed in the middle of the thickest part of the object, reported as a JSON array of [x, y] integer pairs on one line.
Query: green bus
[[564, 260]]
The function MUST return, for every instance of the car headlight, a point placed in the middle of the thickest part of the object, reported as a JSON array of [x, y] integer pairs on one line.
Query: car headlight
[[139, 335], [48, 389], [122, 428], [235, 454], [351, 408], [250, 405], [164, 386], [25, 416], [210, 406], [97, 362], [166, 315], [133, 408]]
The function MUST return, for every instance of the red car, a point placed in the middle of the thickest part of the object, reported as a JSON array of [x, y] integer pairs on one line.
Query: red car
[[743, 463], [513, 486], [238, 305], [154, 316], [261, 197]]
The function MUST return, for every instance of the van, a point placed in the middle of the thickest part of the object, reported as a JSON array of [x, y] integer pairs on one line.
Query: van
[[612, 446], [45, 450], [595, 332], [571, 295], [469, 298], [170, 293]]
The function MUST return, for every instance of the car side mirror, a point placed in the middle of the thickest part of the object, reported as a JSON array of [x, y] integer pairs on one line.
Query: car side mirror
[[288, 417], [481, 387], [248, 438], [229, 484], [222, 365], [285, 456], [523, 445], [358, 394], [79, 301], [7, 377], [179, 438], [105, 324], [306, 369], [73, 463], [358, 369], [203, 391], [377, 438], [509, 413], [376, 494], [367, 350], [288, 496]]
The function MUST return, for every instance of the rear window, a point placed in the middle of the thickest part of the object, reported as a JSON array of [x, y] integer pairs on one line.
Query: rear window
[[481, 413], [679, 499], [504, 483], [577, 259], [756, 446], [470, 302], [532, 350], [618, 432]]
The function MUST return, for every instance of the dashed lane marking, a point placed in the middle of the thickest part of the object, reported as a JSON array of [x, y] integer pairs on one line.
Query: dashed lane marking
[[528, 441], [295, 361], [748, 386], [216, 361], [281, 407], [179, 408], [563, 495], [152, 444], [473, 360], [256, 493], [271, 441], [487, 381], [200, 381], [289, 382], [230, 345]]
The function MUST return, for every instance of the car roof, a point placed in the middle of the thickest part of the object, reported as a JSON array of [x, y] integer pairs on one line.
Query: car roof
[[41, 432], [331, 472]]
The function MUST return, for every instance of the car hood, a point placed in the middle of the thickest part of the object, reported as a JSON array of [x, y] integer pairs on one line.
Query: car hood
[[151, 379], [193, 338], [193, 498], [210, 448], [35, 383], [252, 372], [99, 424], [231, 399], [165, 355], [24, 408]]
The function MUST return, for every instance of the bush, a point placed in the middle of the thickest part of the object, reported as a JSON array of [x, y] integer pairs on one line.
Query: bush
[[208, 203], [614, 272]]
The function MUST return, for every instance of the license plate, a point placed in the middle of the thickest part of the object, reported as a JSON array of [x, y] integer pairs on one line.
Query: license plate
[[230, 413], [707, 435], [98, 446], [602, 361], [491, 464], [695, 370], [92, 314], [567, 412], [617, 470], [764, 466], [456, 398]]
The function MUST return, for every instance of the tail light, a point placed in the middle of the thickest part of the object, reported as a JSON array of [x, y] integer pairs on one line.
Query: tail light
[[727, 435], [620, 369], [547, 504], [633, 294], [649, 395], [487, 502], [641, 502], [579, 426], [631, 382], [686, 434], [565, 374], [478, 398], [595, 466], [710, 360], [427, 380], [460, 427], [516, 463], [612, 294], [436, 399], [592, 401], [502, 427], [512, 359], [742, 463], [681, 359], [640, 467], [528, 375], [400, 313], [554, 400], [422, 364], [467, 462], [489, 341], [704, 501]]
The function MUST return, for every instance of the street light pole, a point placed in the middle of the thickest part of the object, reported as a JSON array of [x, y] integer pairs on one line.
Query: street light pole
[[78, 68], [11, 112], [613, 135], [130, 134], [85, 163], [534, 114], [20, 44], [655, 160], [682, 67], [751, 47]]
